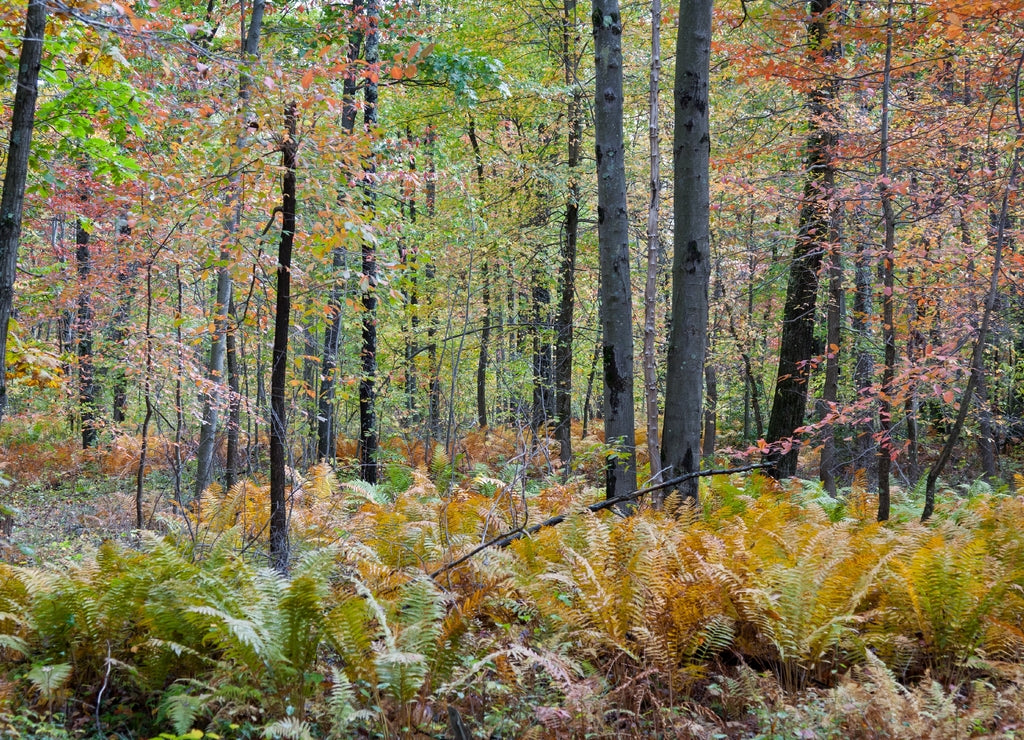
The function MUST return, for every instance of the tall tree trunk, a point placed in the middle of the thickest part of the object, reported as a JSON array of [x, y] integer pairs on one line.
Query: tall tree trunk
[[369, 439], [613, 238], [568, 241], [327, 432], [796, 347], [886, 449], [12, 200], [650, 358], [433, 366], [543, 403], [234, 402], [279, 362], [830, 391], [218, 342], [118, 332], [691, 261], [485, 329], [83, 330]]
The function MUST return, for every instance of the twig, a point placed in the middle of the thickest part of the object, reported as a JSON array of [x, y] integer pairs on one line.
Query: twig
[[507, 538]]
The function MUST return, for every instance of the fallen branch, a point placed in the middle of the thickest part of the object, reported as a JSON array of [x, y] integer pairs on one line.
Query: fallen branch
[[507, 538]]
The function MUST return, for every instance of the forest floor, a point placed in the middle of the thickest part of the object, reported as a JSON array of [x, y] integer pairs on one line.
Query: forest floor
[[61, 505]]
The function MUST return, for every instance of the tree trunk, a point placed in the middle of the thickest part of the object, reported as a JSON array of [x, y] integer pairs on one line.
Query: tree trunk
[[218, 342], [234, 402], [12, 200], [369, 439], [830, 391], [279, 362], [118, 332], [796, 347], [613, 238], [327, 432], [83, 325], [543, 402], [485, 330], [691, 262], [886, 449], [650, 358]]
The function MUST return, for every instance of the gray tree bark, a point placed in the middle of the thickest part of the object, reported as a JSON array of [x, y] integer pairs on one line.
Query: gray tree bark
[[218, 342], [613, 237], [691, 262]]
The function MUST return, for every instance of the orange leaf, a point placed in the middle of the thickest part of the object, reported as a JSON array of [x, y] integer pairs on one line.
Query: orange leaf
[[948, 396], [307, 79], [411, 70], [397, 72]]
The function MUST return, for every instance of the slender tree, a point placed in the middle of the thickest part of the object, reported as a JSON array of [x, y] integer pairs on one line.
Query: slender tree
[[650, 360], [83, 333], [691, 262], [616, 293], [12, 200], [326, 422], [569, 239], [279, 362], [368, 432], [796, 347], [222, 299]]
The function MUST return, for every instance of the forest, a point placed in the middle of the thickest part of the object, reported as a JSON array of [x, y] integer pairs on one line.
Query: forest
[[423, 369]]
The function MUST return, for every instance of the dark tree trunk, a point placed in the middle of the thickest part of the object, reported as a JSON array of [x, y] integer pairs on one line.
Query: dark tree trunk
[[568, 241], [279, 361], [83, 330], [327, 432], [613, 237], [886, 448], [796, 347], [691, 262], [485, 329], [369, 440], [12, 200]]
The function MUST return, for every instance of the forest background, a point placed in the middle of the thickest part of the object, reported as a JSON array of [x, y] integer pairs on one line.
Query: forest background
[[415, 184]]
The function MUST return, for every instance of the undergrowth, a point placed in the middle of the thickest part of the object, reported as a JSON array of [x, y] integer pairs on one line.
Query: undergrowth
[[772, 612]]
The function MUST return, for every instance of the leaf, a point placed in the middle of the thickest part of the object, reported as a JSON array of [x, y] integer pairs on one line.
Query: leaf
[[397, 72], [307, 79], [947, 396]]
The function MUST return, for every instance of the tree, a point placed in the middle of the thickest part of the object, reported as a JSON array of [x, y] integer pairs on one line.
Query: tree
[[222, 300], [650, 360], [279, 366], [615, 291], [16, 176], [796, 347], [691, 262]]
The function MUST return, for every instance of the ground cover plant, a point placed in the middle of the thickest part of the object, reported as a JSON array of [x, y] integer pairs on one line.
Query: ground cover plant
[[773, 611]]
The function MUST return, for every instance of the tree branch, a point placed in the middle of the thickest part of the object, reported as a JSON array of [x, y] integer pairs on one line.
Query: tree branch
[[507, 538]]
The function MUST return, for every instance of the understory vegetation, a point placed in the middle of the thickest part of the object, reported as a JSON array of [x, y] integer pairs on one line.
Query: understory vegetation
[[775, 611]]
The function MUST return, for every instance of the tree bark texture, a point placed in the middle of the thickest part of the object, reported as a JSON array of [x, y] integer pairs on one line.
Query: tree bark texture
[[279, 361], [12, 200], [369, 439], [616, 294], [218, 342], [327, 432], [650, 356], [83, 331], [691, 261], [796, 346]]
